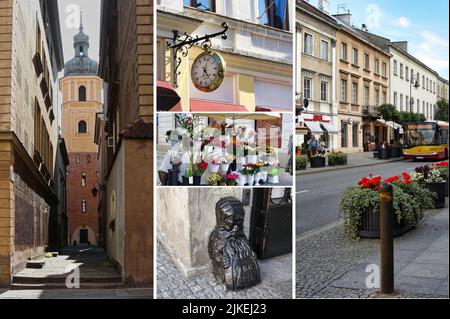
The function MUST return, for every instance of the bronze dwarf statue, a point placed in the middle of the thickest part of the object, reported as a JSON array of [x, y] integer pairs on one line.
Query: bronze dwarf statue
[[233, 261]]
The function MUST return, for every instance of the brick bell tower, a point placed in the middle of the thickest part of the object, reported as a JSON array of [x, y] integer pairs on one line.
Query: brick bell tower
[[81, 90]]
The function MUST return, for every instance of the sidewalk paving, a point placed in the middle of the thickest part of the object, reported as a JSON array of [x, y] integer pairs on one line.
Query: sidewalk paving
[[353, 160], [331, 266], [276, 281], [128, 293]]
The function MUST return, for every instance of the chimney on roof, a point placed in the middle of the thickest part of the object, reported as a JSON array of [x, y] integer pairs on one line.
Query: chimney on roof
[[324, 5], [364, 27], [402, 45], [345, 18]]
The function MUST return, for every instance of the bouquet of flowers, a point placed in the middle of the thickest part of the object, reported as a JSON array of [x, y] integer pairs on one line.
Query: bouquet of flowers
[[231, 179], [213, 178], [426, 174], [200, 168]]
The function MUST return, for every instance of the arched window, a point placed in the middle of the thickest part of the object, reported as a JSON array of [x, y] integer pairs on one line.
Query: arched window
[[82, 127], [83, 179], [83, 206], [82, 93]]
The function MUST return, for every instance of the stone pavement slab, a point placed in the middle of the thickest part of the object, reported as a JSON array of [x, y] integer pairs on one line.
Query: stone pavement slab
[[276, 275], [420, 257], [137, 293]]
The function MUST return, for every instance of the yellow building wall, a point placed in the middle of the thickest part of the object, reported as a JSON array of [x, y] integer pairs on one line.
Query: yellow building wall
[[74, 111]]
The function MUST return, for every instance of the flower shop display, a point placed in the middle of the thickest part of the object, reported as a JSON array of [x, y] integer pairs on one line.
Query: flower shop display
[[337, 158], [200, 155], [318, 160], [300, 162], [430, 177], [360, 205]]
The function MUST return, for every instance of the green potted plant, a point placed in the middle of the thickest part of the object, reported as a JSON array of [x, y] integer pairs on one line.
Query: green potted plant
[[231, 179], [318, 160], [431, 179], [442, 167], [360, 205], [300, 162], [337, 158], [188, 177], [213, 179]]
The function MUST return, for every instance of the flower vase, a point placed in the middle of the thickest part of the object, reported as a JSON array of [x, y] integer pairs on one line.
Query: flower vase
[[250, 180], [264, 176], [242, 180], [213, 168], [274, 179], [257, 179], [224, 168], [197, 180]]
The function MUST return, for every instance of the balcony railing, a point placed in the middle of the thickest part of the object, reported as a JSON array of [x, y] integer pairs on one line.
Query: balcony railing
[[370, 111]]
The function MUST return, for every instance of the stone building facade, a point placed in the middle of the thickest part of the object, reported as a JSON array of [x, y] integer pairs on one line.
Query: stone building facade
[[124, 134], [362, 85], [81, 90], [30, 58], [442, 89], [316, 73]]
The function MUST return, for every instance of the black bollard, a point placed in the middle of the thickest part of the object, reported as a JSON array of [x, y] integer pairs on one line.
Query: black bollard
[[387, 238]]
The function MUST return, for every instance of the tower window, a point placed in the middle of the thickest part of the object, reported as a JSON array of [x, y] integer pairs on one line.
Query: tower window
[[82, 127], [83, 179], [83, 206], [82, 94]]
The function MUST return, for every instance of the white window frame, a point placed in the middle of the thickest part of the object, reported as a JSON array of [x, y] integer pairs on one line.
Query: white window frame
[[305, 46], [324, 92], [305, 89]]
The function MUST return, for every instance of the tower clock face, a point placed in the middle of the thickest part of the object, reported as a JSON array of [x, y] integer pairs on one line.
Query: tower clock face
[[208, 71]]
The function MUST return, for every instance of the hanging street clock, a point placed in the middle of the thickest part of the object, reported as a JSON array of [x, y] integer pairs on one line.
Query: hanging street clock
[[208, 71]]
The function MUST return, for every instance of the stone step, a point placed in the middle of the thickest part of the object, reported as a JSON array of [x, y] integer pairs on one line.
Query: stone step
[[44, 286], [35, 264], [61, 279]]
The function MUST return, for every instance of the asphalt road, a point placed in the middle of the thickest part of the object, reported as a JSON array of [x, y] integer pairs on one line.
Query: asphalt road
[[317, 195]]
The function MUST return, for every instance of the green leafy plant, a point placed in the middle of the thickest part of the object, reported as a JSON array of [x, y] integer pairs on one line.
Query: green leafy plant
[[213, 178], [301, 161], [410, 201], [337, 158]]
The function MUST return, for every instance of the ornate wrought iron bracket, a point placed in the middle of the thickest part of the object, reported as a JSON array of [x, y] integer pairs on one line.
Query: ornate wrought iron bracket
[[181, 43]]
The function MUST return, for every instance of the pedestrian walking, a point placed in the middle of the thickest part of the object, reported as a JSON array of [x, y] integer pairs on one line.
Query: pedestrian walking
[[312, 145]]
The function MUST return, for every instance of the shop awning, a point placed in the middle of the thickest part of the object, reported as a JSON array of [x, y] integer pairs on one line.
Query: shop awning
[[314, 126], [330, 127], [391, 124], [212, 106], [242, 116], [167, 98]]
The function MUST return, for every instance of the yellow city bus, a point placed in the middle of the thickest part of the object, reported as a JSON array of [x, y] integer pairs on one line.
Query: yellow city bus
[[425, 140]]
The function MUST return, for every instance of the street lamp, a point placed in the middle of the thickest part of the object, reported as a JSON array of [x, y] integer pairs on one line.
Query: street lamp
[[416, 85]]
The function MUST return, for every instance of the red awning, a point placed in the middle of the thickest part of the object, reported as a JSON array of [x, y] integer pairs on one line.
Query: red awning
[[271, 109], [212, 106], [167, 97]]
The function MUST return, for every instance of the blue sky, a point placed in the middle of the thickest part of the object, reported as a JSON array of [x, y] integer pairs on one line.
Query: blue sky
[[424, 24]]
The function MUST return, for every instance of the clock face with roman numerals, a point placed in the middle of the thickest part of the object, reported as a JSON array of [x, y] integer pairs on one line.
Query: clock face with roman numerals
[[208, 71]]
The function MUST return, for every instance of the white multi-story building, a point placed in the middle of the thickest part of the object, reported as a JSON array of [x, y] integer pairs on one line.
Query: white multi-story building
[[413, 86]]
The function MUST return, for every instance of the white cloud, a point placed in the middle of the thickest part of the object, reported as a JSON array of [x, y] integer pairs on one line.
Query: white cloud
[[432, 50], [402, 22]]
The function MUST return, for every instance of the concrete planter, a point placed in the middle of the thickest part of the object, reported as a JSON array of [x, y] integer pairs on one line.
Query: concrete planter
[[396, 152], [384, 153], [439, 189], [317, 162], [370, 225]]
